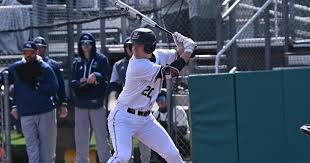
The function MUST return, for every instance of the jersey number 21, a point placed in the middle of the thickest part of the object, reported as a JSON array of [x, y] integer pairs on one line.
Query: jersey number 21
[[148, 91]]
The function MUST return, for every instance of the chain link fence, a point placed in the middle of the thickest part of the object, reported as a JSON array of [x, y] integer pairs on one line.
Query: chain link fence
[[62, 22], [278, 36], [299, 21], [251, 49], [181, 131]]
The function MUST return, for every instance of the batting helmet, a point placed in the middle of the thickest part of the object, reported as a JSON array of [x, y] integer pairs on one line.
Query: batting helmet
[[40, 41], [127, 42], [145, 37]]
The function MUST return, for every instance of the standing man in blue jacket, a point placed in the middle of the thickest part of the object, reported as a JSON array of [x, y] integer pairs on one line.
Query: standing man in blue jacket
[[35, 84], [89, 81], [60, 97]]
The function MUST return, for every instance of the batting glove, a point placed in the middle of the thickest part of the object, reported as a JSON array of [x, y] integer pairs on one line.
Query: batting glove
[[178, 39], [189, 45]]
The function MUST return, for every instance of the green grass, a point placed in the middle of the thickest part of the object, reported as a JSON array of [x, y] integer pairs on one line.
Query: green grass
[[18, 146], [19, 140]]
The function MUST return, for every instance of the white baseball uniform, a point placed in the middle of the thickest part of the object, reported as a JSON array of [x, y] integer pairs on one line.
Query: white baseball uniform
[[140, 93]]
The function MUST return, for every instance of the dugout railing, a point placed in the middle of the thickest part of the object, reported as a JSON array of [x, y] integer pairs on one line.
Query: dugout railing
[[276, 24], [238, 34]]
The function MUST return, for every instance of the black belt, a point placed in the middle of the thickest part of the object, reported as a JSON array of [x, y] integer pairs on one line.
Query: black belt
[[141, 113]]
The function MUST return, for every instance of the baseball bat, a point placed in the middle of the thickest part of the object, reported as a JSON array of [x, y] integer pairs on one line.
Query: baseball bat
[[138, 15]]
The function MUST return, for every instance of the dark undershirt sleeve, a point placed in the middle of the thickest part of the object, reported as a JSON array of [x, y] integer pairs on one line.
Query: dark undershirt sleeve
[[178, 64]]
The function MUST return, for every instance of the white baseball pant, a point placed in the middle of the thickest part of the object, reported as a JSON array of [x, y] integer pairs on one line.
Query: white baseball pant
[[123, 126]]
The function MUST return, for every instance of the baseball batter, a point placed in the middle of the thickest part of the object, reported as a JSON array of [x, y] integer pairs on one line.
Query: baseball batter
[[132, 116]]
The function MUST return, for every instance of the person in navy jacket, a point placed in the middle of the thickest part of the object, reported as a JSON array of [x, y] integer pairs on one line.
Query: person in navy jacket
[[60, 97], [35, 84], [89, 82]]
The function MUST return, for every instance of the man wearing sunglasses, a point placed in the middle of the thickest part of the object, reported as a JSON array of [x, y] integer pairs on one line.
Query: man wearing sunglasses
[[89, 81], [60, 97], [35, 84]]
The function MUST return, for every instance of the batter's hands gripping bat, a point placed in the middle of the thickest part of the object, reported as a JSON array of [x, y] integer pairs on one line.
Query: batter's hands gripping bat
[[138, 15]]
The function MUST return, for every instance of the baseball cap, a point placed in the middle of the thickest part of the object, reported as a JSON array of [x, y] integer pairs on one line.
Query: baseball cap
[[86, 38], [40, 41], [30, 46]]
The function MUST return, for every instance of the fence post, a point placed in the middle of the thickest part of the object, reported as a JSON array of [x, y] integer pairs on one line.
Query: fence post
[[123, 29], [219, 26], [70, 37], [154, 3], [7, 133], [267, 39], [169, 106], [2, 119], [102, 5], [286, 26], [79, 16], [292, 18], [39, 11], [232, 31]]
